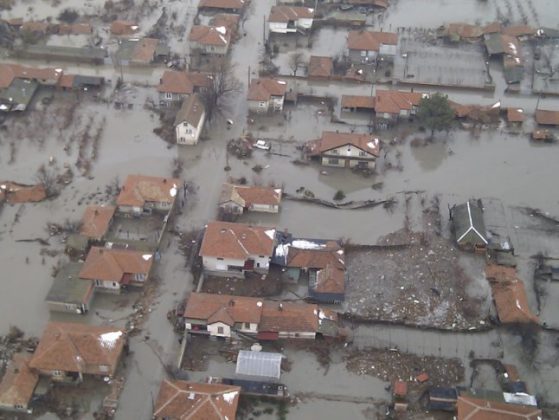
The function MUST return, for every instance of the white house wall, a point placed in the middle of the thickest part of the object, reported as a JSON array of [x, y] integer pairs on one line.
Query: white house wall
[[213, 329]]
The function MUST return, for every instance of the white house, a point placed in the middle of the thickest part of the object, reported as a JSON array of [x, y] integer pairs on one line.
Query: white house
[[235, 199], [347, 150], [288, 19], [266, 95], [189, 121], [236, 248]]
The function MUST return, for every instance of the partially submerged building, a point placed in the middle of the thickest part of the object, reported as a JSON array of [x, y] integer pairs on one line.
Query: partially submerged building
[[346, 150], [236, 248], [174, 86], [236, 199], [289, 19], [18, 385], [469, 226], [179, 399], [67, 352], [354, 103], [70, 293], [231, 6], [214, 40], [260, 365], [320, 67], [16, 193], [141, 51], [472, 408], [547, 117], [266, 95], [390, 105], [189, 121], [368, 46], [96, 221], [144, 194]]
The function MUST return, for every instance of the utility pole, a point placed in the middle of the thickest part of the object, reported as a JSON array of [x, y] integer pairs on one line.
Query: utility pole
[[248, 75], [264, 30]]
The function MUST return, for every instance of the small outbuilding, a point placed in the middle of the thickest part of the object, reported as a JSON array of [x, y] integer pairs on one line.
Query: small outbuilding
[[259, 364], [469, 227]]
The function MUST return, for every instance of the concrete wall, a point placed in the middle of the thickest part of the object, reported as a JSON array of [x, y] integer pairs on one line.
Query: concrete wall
[[258, 106], [306, 335], [214, 329], [215, 264], [111, 286], [264, 208]]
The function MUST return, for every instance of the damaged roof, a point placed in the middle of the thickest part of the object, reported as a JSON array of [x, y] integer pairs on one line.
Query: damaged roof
[[330, 279], [196, 401], [469, 408], [469, 226], [246, 195], [320, 66], [237, 240], [369, 40], [223, 308], [15, 193], [96, 221], [284, 14], [332, 140], [139, 189], [264, 89], [183, 82], [113, 264], [210, 35], [80, 348]]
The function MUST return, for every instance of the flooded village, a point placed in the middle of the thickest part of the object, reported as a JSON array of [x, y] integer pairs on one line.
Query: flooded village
[[279, 209]]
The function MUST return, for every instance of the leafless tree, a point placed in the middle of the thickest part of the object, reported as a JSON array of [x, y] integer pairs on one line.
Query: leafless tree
[[296, 60], [225, 85], [49, 179]]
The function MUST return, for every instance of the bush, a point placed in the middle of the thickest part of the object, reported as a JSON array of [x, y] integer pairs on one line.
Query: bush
[[340, 195], [68, 16]]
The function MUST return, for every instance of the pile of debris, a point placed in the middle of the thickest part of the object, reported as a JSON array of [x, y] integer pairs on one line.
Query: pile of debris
[[241, 147]]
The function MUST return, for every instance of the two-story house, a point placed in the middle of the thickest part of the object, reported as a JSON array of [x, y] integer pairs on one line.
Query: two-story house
[[349, 150], [214, 40], [189, 121], [266, 95], [390, 105], [290, 19], [235, 199], [67, 351], [236, 248], [144, 194], [174, 86], [367, 46], [111, 269]]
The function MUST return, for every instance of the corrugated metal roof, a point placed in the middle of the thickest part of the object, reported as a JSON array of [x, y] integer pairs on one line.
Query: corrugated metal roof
[[259, 363]]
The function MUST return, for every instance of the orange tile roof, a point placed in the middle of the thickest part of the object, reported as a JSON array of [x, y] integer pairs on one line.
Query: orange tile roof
[[66, 81], [330, 254], [16, 193], [139, 189], [9, 72], [114, 264], [515, 115], [237, 240], [464, 30], [72, 347], [332, 140], [394, 101], [223, 308], [96, 220], [547, 117], [124, 27], [264, 89], [331, 279], [357, 101], [287, 13], [33, 26], [288, 317], [229, 20], [210, 35], [144, 50], [320, 66], [246, 195], [222, 4], [183, 82], [519, 30], [478, 409], [370, 41], [18, 382], [74, 28], [195, 401]]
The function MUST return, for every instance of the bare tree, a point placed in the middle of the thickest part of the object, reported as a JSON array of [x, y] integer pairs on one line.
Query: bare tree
[[224, 85], [49, 179], [296, 60]]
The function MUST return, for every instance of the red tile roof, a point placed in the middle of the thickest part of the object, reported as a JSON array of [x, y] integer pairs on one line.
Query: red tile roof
[[96, 220], [41, 27], [115, 264], [74, 28], [223, 308], [124, 27], [464, 30], [394, 101], [515, 115], [144, 50], [320, 66], [477, 409], [356, 101], [370, 41], [139, 189], [330, 254], [70, 347], [284, 14], [237, 240], [330, 279], [181, 82], [264, 89], [18, 382], [547, 117], [519, 30], [222, 4], [210, 35], [246, 195], [194, 401], [332, 140], [16, 193], [288, 317], [9, 72]]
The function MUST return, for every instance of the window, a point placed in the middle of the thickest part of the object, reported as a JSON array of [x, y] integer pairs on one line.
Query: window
[[219, 259], [247, 325], [98, 283], [333, 161], [362, 153], [18, 407], [335, 152], [363, 53], [220, 330], [262, 104], [57, 373], [168, 95]]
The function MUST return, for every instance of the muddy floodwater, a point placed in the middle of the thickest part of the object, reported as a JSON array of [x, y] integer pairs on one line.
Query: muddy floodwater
[[505, 170]]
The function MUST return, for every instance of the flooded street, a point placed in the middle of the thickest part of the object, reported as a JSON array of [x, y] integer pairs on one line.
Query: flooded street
[[507, 172]]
